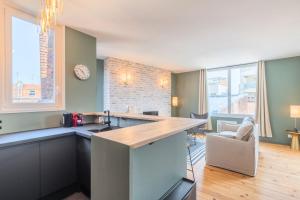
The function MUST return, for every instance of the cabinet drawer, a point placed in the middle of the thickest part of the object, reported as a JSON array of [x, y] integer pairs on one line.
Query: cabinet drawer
[[58, 164], [19, 172]]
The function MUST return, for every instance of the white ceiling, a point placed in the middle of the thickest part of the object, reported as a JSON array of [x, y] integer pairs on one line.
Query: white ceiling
[[185, 35]]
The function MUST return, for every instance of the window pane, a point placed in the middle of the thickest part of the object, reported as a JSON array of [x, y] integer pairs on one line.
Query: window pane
[[217, 83], [32, 63], [243, 90]]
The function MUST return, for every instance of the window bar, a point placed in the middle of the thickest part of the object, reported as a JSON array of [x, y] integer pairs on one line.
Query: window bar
[[229, 90]]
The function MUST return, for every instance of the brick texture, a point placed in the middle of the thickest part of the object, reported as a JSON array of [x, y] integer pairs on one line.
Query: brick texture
[[143, 92], [47, 65]]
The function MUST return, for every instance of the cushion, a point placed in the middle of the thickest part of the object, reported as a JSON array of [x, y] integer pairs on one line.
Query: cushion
[[249, 119], [244, 131], [229, 134]]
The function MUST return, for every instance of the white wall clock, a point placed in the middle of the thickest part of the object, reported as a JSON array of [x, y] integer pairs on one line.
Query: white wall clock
[[82, 72]]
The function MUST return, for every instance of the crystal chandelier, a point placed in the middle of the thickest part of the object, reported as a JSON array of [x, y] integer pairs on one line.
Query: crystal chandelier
[[49, 12]]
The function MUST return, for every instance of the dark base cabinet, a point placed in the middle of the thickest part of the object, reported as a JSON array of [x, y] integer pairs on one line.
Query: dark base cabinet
[[58, 164], [48, 169], [84, 164], [185, 189], [63, 193], [19, 172]]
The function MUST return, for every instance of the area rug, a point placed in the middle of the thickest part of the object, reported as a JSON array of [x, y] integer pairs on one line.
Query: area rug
[[197, 151]]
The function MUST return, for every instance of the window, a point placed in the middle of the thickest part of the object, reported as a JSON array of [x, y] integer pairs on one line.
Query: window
[[33, 69], [218, 91], [232, 90], [32, 63]]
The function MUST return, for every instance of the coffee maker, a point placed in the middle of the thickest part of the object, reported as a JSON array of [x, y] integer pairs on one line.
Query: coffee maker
[[72, 119], [67, 120]]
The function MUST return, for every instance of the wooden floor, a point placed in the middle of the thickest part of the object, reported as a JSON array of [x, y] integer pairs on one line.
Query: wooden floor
[[278, 177]]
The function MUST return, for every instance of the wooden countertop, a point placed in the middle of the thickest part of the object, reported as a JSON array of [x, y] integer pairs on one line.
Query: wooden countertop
[[140, 135]]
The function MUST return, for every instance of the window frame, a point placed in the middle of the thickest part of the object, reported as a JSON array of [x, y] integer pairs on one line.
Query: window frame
[[228, 69], [6, 101]]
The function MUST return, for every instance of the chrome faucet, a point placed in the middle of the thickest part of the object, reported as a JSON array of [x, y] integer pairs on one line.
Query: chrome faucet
[[108, 122]]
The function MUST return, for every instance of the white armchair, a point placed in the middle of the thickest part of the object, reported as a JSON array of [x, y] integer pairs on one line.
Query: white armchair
[[224, 150]]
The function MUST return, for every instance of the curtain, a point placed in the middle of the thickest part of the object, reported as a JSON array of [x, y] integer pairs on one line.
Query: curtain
[[203, 98], [262, 109]]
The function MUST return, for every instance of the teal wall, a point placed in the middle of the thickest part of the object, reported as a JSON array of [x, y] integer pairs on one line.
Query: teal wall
[[100, 85], [283, 87], [80, 49], [80, 95], [283, 90], [187, 90]]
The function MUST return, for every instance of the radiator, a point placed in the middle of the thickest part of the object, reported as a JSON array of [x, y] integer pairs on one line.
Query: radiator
[[226, 121]]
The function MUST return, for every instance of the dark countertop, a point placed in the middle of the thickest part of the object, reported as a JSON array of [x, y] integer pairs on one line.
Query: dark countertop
[[83, 130], [44, 134]]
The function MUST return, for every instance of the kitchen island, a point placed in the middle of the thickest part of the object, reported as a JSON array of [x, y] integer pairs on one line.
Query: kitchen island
[[139, 162]]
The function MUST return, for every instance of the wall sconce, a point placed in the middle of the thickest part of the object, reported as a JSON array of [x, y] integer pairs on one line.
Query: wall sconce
[[163, 83], [174, 101], [126, 77]]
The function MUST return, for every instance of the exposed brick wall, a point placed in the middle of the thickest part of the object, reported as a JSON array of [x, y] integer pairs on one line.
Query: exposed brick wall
[[47, 65], [143, 91]]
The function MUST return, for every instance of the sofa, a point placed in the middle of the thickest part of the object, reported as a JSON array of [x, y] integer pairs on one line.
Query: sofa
[[235, 147]]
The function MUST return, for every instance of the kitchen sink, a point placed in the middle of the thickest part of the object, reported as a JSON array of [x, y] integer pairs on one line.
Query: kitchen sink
[[109, 128]]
